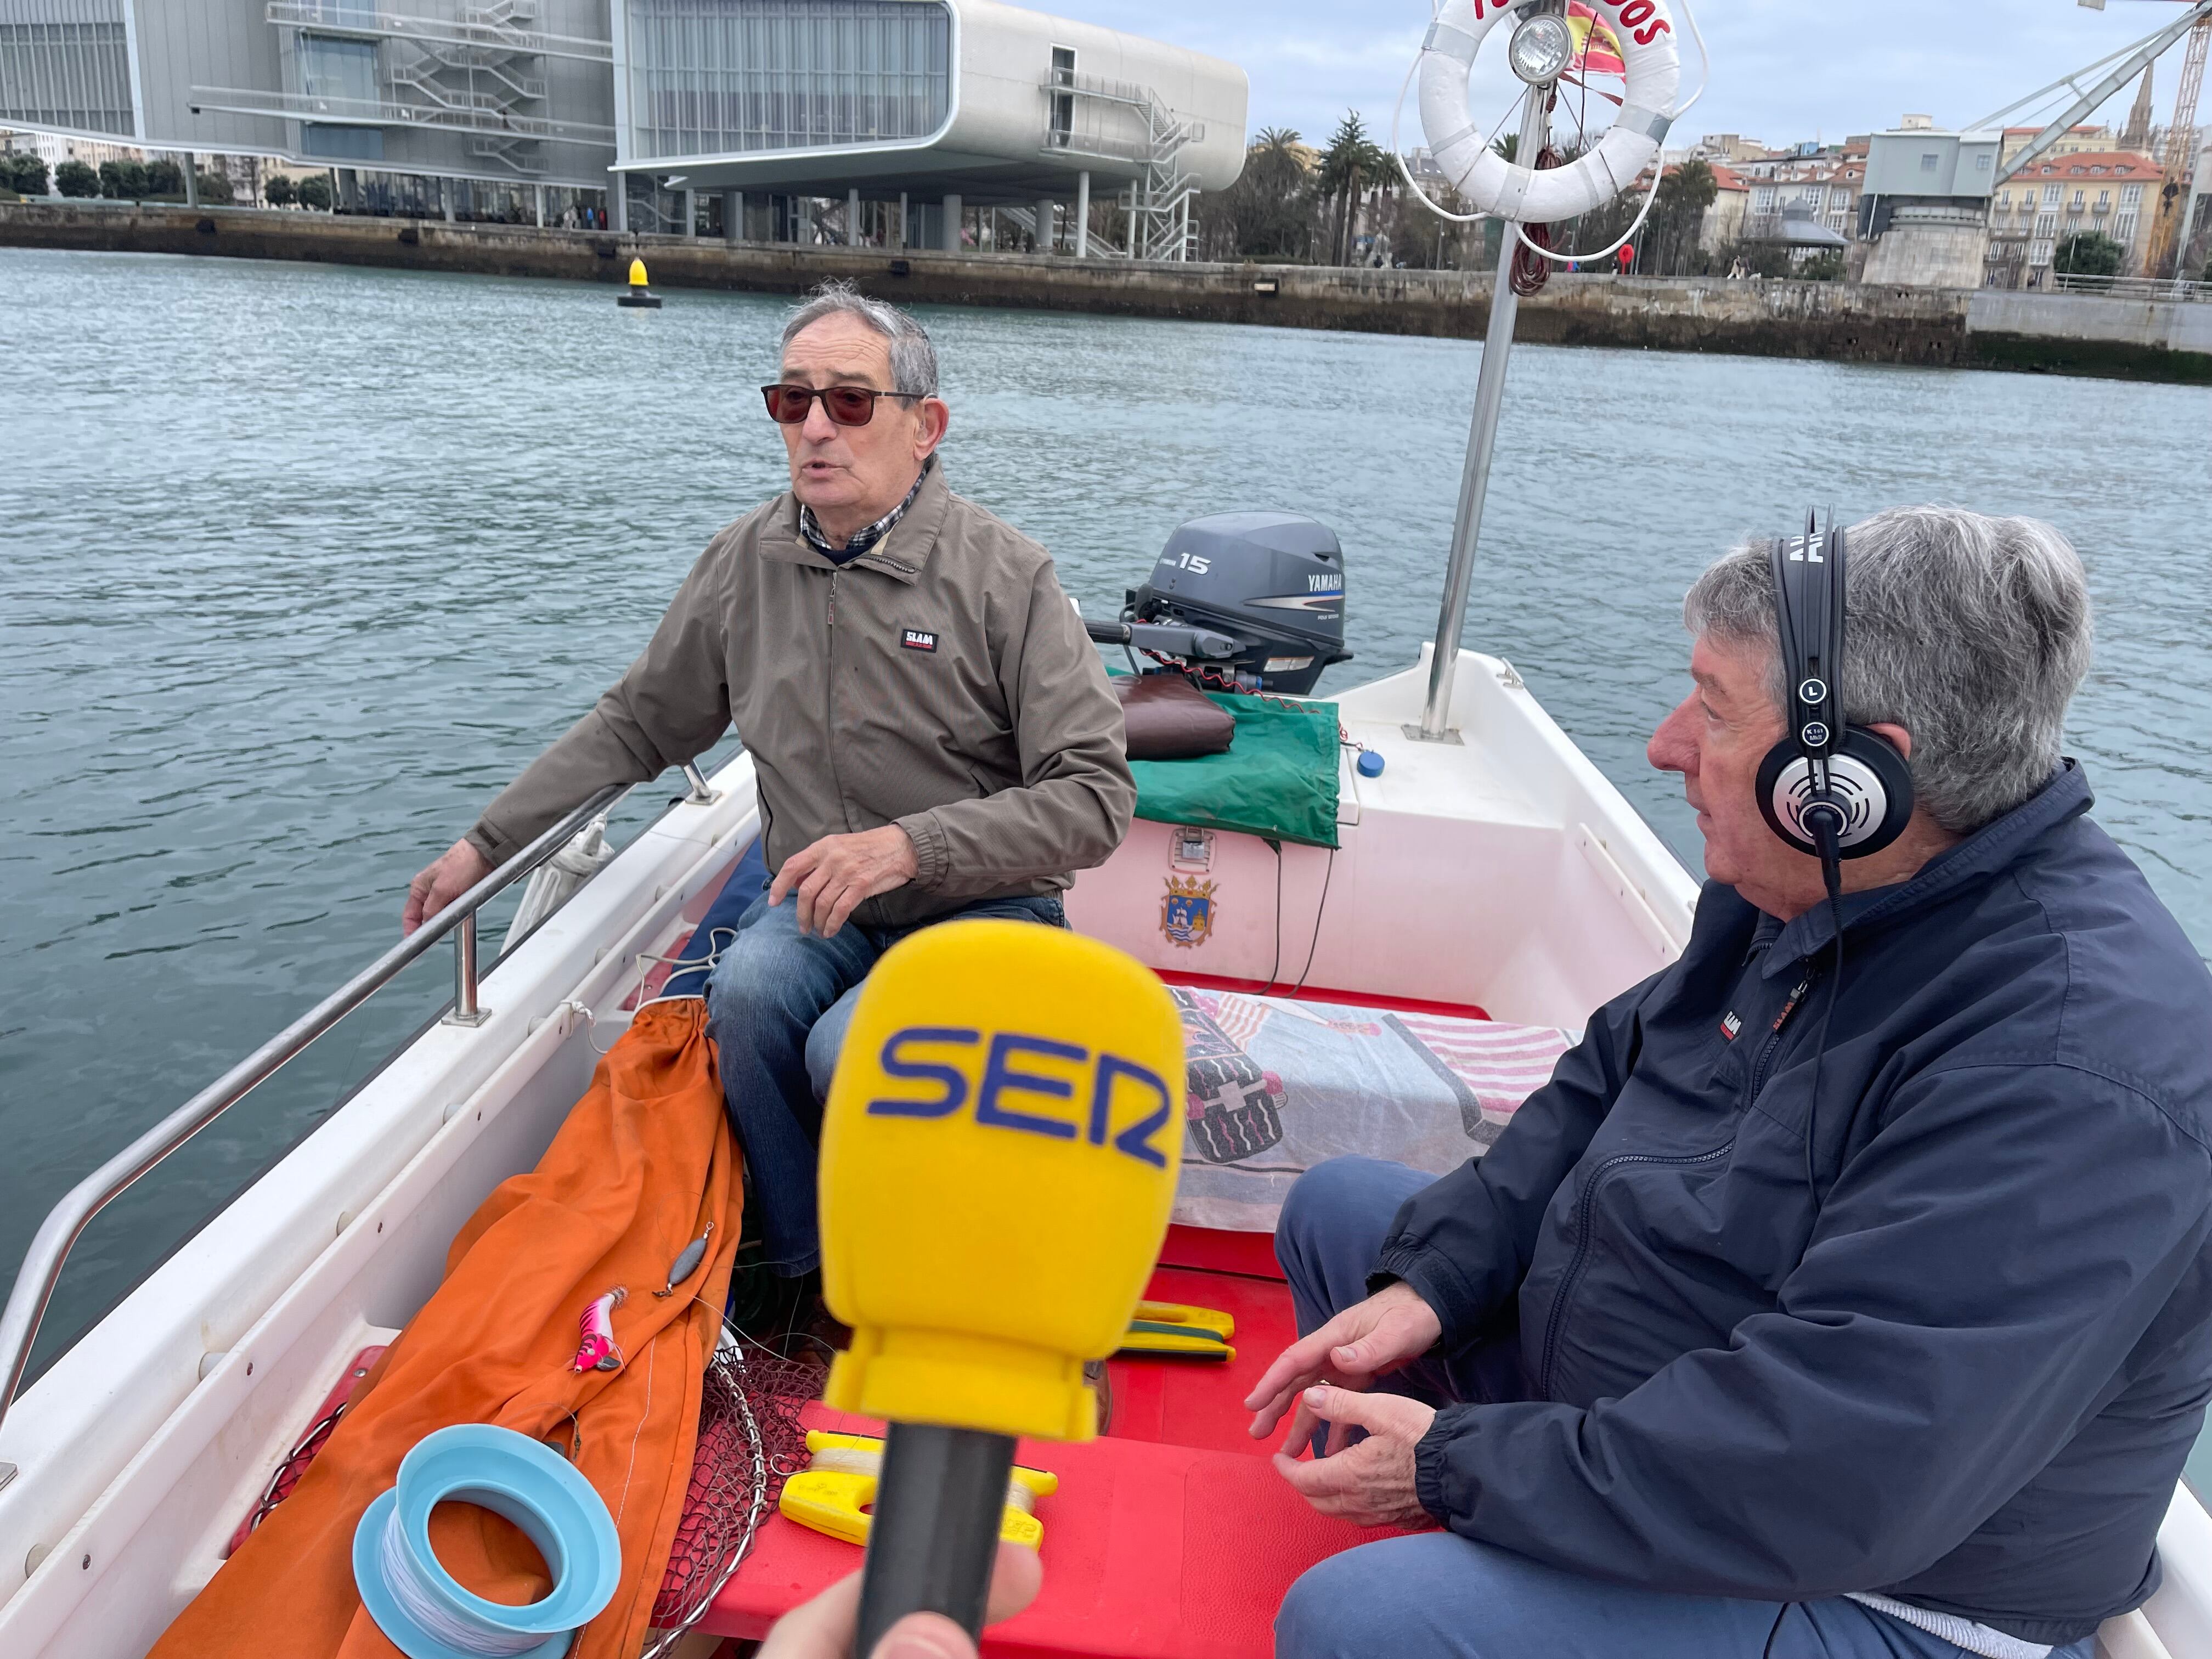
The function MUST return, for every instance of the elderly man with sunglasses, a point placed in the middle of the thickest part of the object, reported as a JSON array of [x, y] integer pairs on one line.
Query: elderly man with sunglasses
[[933, 732]]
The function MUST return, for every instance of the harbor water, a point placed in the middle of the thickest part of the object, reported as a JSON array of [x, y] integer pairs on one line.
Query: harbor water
[[302, 563]]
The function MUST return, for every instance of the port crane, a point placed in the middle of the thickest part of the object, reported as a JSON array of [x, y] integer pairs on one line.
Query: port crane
[[2111, 73]]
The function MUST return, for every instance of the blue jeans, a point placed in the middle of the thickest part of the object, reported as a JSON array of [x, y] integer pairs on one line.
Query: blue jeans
[[778, 1006], [1438, 1596]]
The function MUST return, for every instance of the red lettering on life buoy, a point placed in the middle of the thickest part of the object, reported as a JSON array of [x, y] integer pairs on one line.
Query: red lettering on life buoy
[[1637, 11], [1646, 36]]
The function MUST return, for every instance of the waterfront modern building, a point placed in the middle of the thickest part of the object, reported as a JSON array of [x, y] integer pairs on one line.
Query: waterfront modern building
[[934, 123]]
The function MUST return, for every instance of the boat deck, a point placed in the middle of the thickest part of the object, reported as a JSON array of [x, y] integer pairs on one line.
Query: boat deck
[[1172, 1535]]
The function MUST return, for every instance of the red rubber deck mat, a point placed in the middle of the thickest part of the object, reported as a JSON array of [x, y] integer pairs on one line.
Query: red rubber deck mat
[[1171, 1537], [1199, 1403]]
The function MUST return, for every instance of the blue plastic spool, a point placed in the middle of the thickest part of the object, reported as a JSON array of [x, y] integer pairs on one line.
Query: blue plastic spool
[[529, 1484], [1370, 763]]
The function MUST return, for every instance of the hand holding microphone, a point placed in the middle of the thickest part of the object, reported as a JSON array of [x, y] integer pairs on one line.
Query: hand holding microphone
[[999, 1159]]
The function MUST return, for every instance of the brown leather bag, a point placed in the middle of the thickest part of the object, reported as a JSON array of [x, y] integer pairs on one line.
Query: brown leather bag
[[1169, 718]]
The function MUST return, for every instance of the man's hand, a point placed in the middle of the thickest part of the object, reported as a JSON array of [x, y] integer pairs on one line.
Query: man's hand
[[836, 872], [1359, 1344], [458, 868], [1371, 1484], [826, 1627]]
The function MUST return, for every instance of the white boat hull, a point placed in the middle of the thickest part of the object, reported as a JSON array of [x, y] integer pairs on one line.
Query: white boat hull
[[1504, 872]]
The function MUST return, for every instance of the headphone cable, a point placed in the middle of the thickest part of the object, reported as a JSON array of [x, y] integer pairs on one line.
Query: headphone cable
[[1823, 829]]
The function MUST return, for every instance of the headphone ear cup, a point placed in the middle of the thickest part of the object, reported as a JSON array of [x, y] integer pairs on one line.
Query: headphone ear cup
[[1879, 757], [1778, 760], [1872, 783]]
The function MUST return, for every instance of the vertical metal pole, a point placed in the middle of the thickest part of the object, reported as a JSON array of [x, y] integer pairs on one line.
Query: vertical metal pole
[[465, 1012], [853, 218], [1083, 215], [1481, 436]]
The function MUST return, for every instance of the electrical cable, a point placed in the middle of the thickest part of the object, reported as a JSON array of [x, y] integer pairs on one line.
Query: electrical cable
[[1823, 820], [1320, 910], [1275, 967]]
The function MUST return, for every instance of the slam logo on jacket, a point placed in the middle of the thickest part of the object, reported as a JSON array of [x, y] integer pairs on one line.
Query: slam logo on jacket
[[917, 639], [1730, 1024]]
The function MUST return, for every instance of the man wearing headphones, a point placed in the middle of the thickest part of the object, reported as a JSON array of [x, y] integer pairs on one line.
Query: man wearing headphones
[[1848, 1291]]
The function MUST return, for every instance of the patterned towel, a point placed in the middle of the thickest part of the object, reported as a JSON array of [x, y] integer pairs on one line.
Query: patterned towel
[[1277, 1086]]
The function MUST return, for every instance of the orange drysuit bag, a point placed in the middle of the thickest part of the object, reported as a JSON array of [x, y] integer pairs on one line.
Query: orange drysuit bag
[[644, 1163]]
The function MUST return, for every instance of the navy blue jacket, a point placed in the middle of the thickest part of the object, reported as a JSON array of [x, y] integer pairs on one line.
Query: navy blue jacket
[[1964, 1376]]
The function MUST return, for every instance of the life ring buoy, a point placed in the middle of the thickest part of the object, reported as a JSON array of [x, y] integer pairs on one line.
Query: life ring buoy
[[1496, 186]]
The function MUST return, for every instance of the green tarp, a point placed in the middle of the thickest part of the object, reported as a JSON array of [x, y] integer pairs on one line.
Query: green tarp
[[1278, 779]]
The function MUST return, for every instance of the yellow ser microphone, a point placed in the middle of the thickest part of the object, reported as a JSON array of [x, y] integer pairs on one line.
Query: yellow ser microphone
[[999, 1159]]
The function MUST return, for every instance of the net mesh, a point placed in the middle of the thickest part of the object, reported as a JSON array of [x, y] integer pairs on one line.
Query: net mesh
[[750, 1442]]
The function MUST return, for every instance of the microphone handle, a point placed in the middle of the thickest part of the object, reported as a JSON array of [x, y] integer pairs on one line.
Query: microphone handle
[[933, 1535]]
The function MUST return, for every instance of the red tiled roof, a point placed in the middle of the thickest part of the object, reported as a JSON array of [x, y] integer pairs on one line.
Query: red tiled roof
[[1727, 177], [2116, 163]]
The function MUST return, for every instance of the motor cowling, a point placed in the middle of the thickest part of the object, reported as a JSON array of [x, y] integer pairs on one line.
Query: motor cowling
[[1273, 582]]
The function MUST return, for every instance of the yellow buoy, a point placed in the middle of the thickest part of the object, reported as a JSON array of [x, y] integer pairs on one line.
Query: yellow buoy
[[637, 294]]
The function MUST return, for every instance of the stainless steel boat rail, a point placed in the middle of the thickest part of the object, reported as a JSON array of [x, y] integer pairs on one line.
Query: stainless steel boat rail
[[1436, 724], [65, 1223]]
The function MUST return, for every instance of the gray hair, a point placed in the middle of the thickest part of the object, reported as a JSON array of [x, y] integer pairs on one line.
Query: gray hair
[[914, 360], [1973, 633]]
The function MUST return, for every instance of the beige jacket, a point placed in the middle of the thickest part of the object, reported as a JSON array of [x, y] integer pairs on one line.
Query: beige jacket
[[941, 681]]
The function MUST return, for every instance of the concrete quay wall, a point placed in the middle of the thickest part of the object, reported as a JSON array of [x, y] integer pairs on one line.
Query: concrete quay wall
[[1848, 322]]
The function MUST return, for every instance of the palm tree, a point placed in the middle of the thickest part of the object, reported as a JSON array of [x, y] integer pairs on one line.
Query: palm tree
[[1351, 161]]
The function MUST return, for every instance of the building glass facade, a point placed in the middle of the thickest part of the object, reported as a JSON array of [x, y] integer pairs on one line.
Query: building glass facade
[[716, 77], [66, 63]]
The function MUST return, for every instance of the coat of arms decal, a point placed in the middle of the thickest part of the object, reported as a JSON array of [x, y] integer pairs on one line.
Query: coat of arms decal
[[1186, 910]]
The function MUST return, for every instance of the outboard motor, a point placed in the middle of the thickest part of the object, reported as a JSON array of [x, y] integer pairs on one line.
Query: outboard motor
[[1271, 582]]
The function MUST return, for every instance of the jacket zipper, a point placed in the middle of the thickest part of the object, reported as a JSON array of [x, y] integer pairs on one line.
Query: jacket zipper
[[829, 699], [1774, 1034], [1767, 1049], [1581, 1243]]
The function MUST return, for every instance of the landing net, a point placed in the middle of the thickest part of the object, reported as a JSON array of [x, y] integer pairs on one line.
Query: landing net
[[750, 1442]]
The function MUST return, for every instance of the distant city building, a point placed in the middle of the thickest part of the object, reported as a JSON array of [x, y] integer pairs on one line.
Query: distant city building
[[1724, 219], [2113, 192], [54, 148], [1923, 206], [2196, 229], [2071, 142], [1729, 149], [942, 122], [1825, 189]]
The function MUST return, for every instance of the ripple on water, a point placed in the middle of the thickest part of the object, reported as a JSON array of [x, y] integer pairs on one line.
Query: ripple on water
[[305, 563]]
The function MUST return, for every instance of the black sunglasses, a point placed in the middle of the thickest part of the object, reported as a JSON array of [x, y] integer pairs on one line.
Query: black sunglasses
[[846, 405]]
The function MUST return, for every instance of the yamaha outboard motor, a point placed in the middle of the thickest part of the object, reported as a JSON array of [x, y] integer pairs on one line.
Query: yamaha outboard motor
[[1272, 583]]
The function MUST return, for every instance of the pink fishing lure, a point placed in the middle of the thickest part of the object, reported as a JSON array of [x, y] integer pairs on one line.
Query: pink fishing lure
[[598, 1351]]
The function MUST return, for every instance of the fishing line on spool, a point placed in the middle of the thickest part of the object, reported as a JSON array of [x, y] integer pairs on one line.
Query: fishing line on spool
[[437, 1616]]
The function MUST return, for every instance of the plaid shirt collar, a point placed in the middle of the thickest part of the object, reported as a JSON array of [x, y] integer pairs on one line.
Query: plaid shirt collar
[[869, 535]]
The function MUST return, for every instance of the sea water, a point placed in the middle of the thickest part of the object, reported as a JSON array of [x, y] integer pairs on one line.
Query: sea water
[[302, 564]]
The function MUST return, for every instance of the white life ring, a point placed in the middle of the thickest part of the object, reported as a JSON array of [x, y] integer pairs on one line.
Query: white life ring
[[1496, 186]]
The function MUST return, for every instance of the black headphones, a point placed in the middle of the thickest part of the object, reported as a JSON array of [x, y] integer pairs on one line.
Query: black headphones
[[1832, 790]]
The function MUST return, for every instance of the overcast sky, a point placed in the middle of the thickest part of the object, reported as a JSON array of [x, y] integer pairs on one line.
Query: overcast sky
[[1782, 70]]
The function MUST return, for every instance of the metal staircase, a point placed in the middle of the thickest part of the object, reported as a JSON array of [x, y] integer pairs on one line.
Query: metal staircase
[[474, 70], [1121, 121]]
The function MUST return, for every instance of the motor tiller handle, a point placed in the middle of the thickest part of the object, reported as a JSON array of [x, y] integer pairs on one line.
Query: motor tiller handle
[[999, 1159]]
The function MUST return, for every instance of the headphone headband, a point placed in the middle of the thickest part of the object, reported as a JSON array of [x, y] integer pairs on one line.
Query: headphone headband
[[1809, 592], [1824, 777]]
